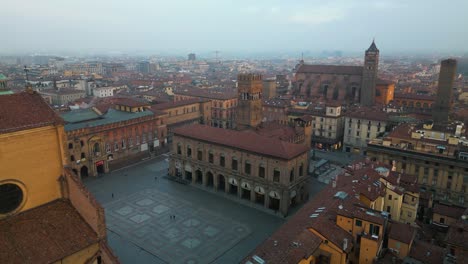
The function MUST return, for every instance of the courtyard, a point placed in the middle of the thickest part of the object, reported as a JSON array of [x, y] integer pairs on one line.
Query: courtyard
[[151, 219]]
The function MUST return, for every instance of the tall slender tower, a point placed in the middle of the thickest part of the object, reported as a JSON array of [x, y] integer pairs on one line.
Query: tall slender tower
[[249, 108], [369, 75], [443, 103]]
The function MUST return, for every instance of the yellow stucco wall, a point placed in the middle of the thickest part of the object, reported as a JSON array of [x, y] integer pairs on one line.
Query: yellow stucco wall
[[81, 256], [368, 251], [402, 248], [34, 158]]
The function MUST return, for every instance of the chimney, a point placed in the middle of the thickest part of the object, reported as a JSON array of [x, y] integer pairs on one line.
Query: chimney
[[345, 244], [369, 188], [334, 184], [398, 179]]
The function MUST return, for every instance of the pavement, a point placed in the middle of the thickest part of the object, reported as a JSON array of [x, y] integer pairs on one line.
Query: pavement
[[207, 227]]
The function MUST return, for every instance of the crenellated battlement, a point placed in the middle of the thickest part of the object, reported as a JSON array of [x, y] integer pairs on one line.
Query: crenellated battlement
[[249, 77]]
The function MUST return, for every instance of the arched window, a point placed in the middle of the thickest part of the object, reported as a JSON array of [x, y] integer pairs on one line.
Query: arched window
[[276, 175], [179, 149], [70, 145], [81, 143], [72, 158], [291, 175], [301, 170], [83, 155], [96, 148]]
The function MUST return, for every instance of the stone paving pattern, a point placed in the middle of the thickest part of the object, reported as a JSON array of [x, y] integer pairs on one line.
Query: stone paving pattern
[[131, 195], [196, 235]]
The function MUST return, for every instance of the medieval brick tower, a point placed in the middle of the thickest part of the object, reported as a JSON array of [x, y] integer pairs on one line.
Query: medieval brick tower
[[369, 75], [249, 108], [443, 103]]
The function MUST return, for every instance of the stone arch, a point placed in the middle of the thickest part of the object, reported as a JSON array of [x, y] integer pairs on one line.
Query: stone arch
[[221, 182], [209, 179], [84, 172]]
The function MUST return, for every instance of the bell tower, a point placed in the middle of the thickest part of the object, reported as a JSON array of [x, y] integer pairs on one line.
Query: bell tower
[[249, 108], [369, 75]]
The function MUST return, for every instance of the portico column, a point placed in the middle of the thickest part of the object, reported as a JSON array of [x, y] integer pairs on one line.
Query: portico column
[[267, 199], [226, 185], [284, 202], [252, 193], [215, 181]]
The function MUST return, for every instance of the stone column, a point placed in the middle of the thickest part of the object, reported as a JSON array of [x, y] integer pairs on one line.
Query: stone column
[[226, 185], [252, 193], [215, 181], [239, 189], [284, 202], [267, 199], [204, 179]]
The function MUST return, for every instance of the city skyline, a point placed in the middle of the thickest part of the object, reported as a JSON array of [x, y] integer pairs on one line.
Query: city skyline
[[240, 27]]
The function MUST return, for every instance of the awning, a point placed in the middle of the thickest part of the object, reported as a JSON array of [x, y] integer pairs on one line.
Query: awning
[[246, 185], [233, 181], [275, 194], [259, 190]]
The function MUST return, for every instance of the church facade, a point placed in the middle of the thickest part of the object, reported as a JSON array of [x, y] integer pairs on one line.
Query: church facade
[[351, 84]]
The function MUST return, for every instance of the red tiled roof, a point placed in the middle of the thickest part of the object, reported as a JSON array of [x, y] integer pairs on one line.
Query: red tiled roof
[[458, 234], [245, 140], [414, 96], [367, 113], [331, 69], [447, 210], [290, 237], [279, 131], [44, 234], [164, 106], [426, 253], [402, 232], [25, 110]]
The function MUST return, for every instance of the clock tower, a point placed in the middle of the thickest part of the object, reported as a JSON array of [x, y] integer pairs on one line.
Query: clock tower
[[249, 108]]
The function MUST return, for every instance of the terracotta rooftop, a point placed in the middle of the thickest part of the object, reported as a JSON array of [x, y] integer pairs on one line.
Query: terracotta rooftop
[[365, 113], [208, 93], [164, 106], [44, 234], [414, 96], [330, 69], [25, 110], [426, 253], [458, 233], [245, 140], [447, 210], [63, 91], [402, 232], [276, 130]]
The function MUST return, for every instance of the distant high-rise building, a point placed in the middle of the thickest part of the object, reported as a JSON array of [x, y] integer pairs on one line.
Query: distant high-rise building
[[443, 103], [249, 109], [369, 75], [143, 67], [191, 57]]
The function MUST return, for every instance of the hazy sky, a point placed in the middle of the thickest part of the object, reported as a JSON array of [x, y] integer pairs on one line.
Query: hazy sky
[[239, 25]]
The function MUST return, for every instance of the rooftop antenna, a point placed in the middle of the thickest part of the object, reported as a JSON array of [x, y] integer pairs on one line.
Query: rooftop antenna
[[26, 70]]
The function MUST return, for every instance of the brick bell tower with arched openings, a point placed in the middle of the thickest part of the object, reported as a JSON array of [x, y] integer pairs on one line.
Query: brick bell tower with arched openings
[[369, 75], [249, 108]]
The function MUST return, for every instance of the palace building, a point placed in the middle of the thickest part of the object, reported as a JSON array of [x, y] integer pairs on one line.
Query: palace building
[[223, 104], [263, 170], [107, 137], [46, 214]]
